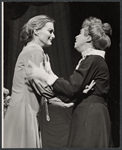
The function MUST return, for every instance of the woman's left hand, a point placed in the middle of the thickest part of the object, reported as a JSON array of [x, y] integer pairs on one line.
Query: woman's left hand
[[89, 87]]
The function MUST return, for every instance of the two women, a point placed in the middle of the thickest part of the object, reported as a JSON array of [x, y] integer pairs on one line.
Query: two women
[[21, 127], [90, 124]]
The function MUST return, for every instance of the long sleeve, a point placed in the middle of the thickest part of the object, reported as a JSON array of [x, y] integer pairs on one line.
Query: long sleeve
[[36, 56], [79, 79]]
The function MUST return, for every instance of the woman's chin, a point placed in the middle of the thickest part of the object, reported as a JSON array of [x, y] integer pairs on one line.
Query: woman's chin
[[49, 44], [75, 46]]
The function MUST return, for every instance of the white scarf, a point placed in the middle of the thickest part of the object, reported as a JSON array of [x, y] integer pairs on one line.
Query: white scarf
[[91, 51]]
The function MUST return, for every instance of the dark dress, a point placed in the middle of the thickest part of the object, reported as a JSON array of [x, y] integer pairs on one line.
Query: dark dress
[[55, 132], [90, 124]]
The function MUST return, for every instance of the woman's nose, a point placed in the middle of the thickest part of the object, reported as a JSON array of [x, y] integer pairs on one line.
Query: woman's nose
[[53, 36], [76, 37]]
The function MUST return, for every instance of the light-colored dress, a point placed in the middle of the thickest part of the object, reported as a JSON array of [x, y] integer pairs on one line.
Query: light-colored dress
[[20, 124]]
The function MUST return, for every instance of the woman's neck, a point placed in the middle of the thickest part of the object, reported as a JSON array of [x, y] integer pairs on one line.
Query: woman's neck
[[35, 42], [85, 47]]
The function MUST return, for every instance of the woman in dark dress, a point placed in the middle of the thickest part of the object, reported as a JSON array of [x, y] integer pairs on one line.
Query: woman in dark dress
[[90, 124]]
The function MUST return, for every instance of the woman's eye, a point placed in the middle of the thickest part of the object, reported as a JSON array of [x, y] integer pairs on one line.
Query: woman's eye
[[50, 31], [81, 31]]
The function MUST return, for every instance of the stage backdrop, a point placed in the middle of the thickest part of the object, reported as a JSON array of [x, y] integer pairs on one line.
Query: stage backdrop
[[69, 17]]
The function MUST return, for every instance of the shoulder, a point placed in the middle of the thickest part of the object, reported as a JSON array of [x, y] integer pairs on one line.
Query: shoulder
[[32, 49], [95, 59], [98, 61]]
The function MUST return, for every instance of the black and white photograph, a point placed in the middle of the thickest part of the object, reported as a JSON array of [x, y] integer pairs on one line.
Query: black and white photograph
[[60, 65]]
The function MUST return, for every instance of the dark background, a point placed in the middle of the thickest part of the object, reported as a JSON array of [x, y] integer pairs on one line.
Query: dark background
[[69, 17]]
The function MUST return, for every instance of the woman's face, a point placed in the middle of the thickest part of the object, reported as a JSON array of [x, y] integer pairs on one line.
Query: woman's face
[[46, 34], [81, 39]]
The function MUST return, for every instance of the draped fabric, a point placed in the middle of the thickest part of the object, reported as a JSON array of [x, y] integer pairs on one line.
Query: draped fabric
[[69, 17], [20, 122], [55, 132]]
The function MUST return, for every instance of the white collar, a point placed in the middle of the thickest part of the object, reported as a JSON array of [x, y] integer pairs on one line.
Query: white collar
[[91, 51]]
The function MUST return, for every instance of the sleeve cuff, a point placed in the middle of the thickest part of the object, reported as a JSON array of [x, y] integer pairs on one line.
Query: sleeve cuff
[[52, 78]]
